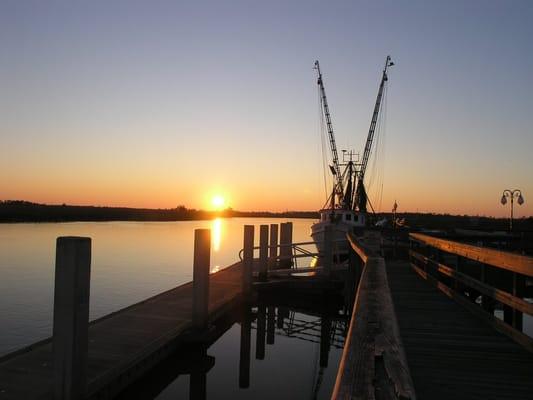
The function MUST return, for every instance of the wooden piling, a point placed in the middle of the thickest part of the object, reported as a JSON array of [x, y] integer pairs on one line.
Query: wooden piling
[[285, 245], [202, 250], [263, 252], [273, 247], [325, 335], [71, 317], [248, 259]]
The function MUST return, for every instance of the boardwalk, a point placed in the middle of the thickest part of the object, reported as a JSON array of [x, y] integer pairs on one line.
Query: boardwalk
[[450, 353], [122, 345]]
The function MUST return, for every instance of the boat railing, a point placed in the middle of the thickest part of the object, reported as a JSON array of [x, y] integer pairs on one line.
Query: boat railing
[[298, 251]]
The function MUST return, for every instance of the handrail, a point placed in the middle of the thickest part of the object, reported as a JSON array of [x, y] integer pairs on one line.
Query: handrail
[[487, 290], [500, 276], [360, 249], [373, 360], [496, 258]]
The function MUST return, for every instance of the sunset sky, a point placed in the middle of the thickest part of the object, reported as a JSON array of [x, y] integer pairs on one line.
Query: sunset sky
[[162, 103]]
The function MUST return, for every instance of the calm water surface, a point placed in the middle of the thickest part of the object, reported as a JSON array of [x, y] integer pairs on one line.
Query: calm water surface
[[297, 358], [131, 261]]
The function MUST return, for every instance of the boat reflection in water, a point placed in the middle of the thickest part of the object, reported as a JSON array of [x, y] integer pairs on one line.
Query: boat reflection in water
[[268, 350]]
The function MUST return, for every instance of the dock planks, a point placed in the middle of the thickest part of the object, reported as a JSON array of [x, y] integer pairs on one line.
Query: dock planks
[[452, 354], [122, 345]]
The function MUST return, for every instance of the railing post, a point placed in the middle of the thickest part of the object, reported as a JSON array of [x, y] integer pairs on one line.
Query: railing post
[[201, 263], [273, 254], [518, 291], [486, 301], [263, 252], [71, 317], [507, 284], [248, 259], [458, 262]]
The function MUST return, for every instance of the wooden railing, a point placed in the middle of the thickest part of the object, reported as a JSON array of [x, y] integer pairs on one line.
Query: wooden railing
[[477, 278], [373, 363]]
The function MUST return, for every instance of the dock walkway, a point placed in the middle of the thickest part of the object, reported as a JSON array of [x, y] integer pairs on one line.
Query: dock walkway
[[450, 353], [122, 345]]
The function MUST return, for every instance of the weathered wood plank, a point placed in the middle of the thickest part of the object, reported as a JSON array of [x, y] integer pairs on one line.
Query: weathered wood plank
[[373, 363], [495, 322], [358, 247], [450, 353], [501, 259]]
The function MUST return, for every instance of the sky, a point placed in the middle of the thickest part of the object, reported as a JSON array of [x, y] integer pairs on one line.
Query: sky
[[167, 103]]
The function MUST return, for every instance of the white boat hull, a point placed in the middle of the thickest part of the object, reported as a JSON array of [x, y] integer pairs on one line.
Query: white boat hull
[[339, 231], [343, 221]]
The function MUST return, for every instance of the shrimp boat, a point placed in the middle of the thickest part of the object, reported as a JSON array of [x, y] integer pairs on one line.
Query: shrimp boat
[[345, 209]]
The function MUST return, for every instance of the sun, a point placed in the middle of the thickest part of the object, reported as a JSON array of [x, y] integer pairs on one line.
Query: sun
[[218, 202]]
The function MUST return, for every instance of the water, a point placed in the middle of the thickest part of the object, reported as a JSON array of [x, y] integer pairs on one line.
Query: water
[[293, 360], [131, 261]]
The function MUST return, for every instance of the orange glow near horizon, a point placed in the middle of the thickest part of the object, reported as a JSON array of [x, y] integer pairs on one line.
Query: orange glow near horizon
[[486, 204], [259, 189]]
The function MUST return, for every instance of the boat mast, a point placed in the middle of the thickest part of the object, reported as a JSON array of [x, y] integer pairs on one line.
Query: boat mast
[[335, 169], [360, 195]]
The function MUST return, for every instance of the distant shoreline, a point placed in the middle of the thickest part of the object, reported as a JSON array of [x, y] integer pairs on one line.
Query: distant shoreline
[[18, 211], [22, 211]]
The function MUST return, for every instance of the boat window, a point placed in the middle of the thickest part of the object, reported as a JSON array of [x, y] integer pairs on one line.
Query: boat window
[[355, 218], [348, 217]]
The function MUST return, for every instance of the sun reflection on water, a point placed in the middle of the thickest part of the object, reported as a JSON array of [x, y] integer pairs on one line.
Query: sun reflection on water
[[217, 233]]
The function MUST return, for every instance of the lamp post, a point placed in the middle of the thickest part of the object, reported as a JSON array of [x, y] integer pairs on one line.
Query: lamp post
[[512, 194]]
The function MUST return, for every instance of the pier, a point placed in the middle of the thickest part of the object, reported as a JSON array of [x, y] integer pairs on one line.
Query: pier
[[423, 319]]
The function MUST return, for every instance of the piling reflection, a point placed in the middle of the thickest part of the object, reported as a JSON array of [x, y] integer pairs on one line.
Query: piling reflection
[[261, 333], [217, 233], [245, 349], [304, 344], [198, 379], [271, 327]]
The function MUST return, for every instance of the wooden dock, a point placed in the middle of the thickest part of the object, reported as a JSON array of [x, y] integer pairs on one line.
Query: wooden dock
[[418, 331], [123, 345], [450, 353]]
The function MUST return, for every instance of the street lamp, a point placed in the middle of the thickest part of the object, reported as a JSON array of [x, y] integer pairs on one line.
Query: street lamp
[[512, 194]]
